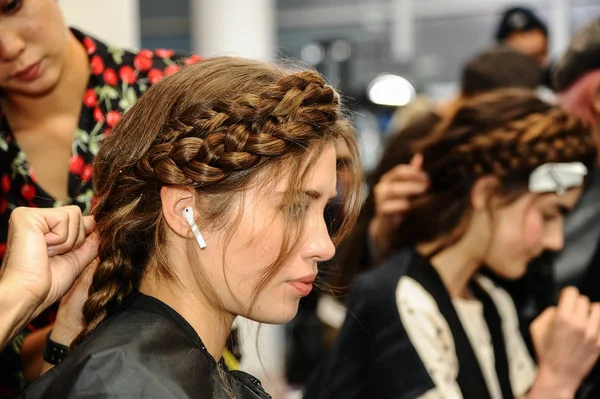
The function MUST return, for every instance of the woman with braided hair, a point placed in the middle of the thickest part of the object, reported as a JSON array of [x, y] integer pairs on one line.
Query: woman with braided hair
[[211, 193], [503, 169]]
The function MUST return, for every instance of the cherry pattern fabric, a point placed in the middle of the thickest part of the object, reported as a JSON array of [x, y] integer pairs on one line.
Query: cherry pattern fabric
[[118, 78]]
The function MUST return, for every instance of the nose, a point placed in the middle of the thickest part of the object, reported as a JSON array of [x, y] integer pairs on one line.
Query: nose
[[554, 239], [11, 45], [318, 246]]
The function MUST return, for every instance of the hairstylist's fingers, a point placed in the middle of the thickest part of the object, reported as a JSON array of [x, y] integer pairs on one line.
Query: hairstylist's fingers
[[89, 224], [74, 227]]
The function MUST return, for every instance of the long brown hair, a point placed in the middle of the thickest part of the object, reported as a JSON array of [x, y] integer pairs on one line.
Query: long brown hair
[[506, 133], [216, 127]]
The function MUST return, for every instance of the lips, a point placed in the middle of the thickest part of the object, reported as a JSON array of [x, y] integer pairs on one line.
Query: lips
[[29, 73], [303, 285]]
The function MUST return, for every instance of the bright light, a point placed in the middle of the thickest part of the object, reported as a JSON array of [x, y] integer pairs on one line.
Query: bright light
[[391, 90]]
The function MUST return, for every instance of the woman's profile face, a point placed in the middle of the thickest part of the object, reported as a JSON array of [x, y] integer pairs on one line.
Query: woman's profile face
[[525, 228], [32, 45], [257, 241]]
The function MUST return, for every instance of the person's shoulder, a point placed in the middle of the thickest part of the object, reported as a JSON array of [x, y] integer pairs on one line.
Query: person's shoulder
[[153, 65], [134, 354], [377, 288], [388, 272]]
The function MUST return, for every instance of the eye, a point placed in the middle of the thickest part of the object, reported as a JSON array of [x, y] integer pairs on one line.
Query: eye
[[550, 217], [13, 6], [296, 211]]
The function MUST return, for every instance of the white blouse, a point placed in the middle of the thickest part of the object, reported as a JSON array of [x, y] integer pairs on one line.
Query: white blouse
[[431, 336]]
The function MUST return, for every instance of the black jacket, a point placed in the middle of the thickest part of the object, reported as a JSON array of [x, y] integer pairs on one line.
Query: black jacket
[[374, 357], [146, 350]]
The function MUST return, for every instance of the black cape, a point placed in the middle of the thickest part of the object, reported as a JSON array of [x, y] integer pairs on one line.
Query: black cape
[[146, 350], [374, 357]]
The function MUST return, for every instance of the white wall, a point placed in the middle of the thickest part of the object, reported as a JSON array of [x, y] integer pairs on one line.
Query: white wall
[[115, 22]]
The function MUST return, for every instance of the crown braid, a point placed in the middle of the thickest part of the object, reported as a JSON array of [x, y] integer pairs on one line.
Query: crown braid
[[215, 140]]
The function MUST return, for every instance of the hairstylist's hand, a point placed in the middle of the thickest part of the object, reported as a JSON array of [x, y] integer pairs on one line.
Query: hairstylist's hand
[[567, 341], [392, 199], [47, 250]]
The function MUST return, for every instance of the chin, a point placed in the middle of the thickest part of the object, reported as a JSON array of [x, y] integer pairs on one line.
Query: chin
[[284, 312]]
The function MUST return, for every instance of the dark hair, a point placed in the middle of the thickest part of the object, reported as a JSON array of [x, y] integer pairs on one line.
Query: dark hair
[[583, 56], [216, 127], [506, 133], [500, 67]]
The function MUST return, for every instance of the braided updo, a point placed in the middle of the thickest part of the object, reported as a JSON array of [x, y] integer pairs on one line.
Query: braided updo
[[213, 126], [506, 134]]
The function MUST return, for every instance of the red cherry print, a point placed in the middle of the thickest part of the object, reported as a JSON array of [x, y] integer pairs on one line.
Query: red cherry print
[[2, 249], [5, 183], [76, 164], [192, 59], [146, 53], [98, 115], [127, 74], [86, 175], [171, 69], [112, 117], [142, 63], [90, 99], [164, 53], [28, 192], [90, 45], [155, 75], [97, 65], [110, 77]]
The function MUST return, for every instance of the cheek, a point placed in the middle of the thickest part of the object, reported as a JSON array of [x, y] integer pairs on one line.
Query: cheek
[[533, 229]]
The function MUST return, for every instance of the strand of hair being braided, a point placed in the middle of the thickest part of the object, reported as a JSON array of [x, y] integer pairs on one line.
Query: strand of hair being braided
[[211, 126], [506, 134]]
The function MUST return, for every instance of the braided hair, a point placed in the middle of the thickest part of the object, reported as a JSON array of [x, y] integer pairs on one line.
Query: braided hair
[[506, 134], [214, 127]]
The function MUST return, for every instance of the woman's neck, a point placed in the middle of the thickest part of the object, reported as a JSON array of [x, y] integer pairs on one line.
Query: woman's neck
[[64, 98], [456, 264], [211, 324]]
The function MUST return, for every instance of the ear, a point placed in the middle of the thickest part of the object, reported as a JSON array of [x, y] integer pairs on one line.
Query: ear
[[174, 201], [596, 102], [483, 191]]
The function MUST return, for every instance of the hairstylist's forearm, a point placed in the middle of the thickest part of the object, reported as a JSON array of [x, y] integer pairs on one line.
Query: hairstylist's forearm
[[15, 311]]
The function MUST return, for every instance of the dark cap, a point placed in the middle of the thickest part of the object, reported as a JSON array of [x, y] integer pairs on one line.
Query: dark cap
[[583, 56], [500, 67], [519, 19]]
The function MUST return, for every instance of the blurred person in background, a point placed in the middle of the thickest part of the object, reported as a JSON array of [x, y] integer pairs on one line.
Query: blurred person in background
[[62, 92], [522, 29], [503, 167], [400, 177], [577, 79]]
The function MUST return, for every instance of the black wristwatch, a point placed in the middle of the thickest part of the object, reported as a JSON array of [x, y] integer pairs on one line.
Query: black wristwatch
[[54, 352]]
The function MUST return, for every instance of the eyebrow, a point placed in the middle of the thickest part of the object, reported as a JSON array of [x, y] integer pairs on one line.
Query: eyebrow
[[315, 195]]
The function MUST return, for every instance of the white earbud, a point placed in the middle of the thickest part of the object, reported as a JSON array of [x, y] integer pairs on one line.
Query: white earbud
[[188, 214]]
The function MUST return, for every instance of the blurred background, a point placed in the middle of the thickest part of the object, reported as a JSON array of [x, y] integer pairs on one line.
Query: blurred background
[[382, 54]]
